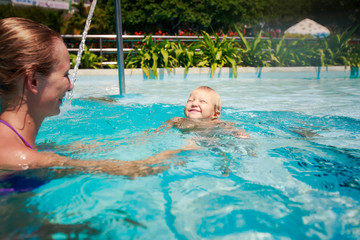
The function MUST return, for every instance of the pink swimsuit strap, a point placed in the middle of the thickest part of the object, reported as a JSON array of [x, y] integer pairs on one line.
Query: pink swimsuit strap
[[26, 143]]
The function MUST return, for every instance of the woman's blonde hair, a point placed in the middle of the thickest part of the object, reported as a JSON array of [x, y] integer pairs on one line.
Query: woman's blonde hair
[[25, 46]]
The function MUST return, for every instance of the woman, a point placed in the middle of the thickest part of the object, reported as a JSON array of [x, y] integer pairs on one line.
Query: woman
[[34, 77]]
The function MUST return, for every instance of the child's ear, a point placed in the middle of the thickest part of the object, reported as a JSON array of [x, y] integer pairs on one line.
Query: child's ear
[[217, 114]]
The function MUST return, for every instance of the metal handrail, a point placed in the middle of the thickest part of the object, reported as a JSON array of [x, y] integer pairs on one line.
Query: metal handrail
[[127, 38], [175, 37], [136, 38], [140, 37]]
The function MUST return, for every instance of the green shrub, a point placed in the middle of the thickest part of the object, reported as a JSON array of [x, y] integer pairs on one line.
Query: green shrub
[[88, 59]]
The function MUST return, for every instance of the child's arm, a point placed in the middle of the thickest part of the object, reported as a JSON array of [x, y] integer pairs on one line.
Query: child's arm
[[239, 133], [169, 124]]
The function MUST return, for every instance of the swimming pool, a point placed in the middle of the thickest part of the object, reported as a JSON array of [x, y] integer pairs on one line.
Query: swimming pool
[[297, 177]]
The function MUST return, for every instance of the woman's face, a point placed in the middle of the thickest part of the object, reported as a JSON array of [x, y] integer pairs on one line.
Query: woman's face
[[53, 88]]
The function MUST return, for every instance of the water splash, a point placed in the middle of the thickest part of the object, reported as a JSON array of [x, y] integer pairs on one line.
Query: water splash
[[82, 44]]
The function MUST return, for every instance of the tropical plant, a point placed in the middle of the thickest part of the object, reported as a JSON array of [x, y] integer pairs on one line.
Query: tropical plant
[[303, 53], [151, 56], [278, 52], [255, 54], [215, 52], [337, 48], [353, 56], [218, 53], [88, 59], [186, 56], [313, 55]]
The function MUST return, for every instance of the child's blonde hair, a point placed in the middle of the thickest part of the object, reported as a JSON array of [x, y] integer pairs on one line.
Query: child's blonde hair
[[215, 94]]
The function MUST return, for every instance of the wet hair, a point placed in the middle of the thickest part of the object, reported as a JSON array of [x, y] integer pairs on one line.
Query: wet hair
[[25, 47], [216, 96]]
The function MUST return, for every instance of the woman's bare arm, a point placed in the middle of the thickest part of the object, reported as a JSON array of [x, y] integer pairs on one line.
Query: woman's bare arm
[[151, 165], [24, 159]]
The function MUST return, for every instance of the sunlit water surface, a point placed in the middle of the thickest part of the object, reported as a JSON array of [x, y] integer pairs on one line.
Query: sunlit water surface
[[297, 177]]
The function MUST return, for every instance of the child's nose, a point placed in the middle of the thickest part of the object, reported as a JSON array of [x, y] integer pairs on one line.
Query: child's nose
[[195, 103]]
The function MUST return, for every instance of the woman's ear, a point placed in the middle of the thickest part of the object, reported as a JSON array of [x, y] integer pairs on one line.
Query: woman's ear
[[31, 82]]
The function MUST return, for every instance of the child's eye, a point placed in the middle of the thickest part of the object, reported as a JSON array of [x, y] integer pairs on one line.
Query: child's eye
[[202, 101]]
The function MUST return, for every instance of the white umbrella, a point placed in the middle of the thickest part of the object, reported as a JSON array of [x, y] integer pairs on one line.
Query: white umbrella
[[308, 27]]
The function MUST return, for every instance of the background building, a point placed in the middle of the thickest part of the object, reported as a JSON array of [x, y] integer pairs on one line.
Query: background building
[[53, 4]]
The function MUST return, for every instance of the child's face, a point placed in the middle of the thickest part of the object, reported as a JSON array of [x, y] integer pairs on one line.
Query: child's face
[[201, 105]]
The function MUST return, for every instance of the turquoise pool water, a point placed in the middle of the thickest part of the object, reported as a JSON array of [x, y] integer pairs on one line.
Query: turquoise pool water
[[297, 177]]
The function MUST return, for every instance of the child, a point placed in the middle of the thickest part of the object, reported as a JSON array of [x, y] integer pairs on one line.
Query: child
[[202, 112]]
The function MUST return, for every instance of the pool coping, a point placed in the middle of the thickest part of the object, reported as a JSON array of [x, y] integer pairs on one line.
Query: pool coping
[[207, 71]]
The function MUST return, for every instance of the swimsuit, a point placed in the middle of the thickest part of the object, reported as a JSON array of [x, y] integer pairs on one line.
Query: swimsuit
[[18, 182], [26, 143]]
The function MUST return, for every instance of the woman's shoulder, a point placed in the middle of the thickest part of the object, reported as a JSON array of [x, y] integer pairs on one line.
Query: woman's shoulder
[[17, 158]]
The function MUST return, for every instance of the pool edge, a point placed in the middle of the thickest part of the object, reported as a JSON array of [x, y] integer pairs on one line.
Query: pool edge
[[225, 70]]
